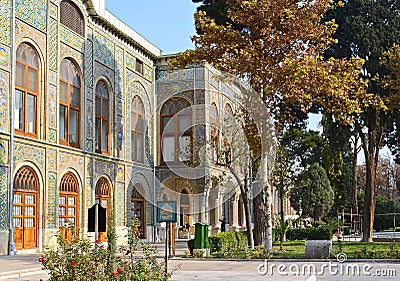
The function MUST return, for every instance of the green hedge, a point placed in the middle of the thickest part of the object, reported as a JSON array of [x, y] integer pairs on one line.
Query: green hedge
[[227, 241], [314, 233]]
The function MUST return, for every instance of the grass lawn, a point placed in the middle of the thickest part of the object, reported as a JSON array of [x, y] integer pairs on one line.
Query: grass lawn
[[353, 250]]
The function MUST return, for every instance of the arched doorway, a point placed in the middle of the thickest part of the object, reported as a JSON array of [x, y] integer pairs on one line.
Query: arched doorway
[[68, 205], [102, 197], [184, 208], [25, 208], [138, 209]]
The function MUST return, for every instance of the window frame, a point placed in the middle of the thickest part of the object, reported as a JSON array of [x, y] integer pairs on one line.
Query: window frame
[[137, 110], [102, 119], [26, 91], [69, 104], [174, 103], [137, 196], [71, 185]]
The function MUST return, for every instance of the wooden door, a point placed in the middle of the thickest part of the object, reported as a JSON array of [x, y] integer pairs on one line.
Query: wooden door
[[25, 219]]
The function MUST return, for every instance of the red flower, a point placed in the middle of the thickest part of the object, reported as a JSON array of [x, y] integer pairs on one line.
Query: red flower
[[40, 259], [114, 274], [97, 241], [73, 263], [119, 270], [155, 247], [132, 279]]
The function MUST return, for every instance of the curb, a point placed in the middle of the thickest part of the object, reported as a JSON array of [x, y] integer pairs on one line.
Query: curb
[[289, 260], [20, 273]]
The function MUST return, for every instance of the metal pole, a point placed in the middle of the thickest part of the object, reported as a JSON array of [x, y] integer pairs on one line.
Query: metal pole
[[12, 248], [166, 247], [96, 222]]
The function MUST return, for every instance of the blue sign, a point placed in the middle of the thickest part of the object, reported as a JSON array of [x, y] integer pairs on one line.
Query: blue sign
[[166, 211]]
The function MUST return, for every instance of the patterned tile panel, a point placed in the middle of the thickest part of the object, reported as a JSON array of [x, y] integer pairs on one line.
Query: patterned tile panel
[[89, 63], [52, 106], [33, 12], [67, 51], [52, 159], [72, 39], [104, 50], [3, 152], [51, 200], [119, 79], [148, 72], [130, 62], [3, 197], [52, 76], [35, 154], [89, 118], [120, 204], [53, 11], [52, 136], [121, 172], [5, 21], [53, 44], [4, 90], [4, 57], [104, 167], [89, 145], [24, 30], [68, 160], [89, 192]]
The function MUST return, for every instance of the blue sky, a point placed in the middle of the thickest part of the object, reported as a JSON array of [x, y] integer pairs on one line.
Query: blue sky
[[166, 24]]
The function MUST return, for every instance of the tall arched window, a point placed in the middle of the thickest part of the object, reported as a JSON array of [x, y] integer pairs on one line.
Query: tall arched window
[[71, 17], [68, 201], [228, 132], [26, 90], [176, 133], [25, 208], [70, 104], [185, 208], [214, 133], [138, 208], [102, 117], [137, 129], [102, 197]]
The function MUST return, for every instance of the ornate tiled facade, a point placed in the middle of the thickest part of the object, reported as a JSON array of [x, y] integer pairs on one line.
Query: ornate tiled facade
[[33, 12], [97, 54]]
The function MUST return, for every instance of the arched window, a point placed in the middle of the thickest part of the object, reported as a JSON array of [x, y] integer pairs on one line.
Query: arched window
[[71, 17], [25, 208], [102, 197], [137, 129], [68, 201], [228, 131], [70, 104], [185, 208], [26, 91], [214, 133], [102, 117], [138, 208], [176, 133]]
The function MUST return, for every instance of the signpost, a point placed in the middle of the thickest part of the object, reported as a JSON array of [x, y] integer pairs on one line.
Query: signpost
[[166, 212]]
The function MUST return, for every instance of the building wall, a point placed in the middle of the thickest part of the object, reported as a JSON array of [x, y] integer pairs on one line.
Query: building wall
[[99, 54]]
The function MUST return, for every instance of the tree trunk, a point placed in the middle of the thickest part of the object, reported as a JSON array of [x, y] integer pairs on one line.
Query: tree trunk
[[370, 200], [259, 225], [245, 198], [355, 187], [281, 200]]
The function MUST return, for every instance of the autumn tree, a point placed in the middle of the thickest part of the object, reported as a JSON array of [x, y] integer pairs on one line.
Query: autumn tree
[[367, 29], [277, 47]]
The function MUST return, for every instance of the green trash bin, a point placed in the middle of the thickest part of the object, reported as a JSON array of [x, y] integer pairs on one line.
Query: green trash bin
[[200, 235]]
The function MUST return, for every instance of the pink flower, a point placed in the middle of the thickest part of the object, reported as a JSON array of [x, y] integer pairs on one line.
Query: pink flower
[[114, 274], [73, 263], [119, 270], [41, 259]]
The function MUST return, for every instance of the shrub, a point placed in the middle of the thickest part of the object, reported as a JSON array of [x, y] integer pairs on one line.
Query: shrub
[[314, 233], [227, 241], [79, 259]]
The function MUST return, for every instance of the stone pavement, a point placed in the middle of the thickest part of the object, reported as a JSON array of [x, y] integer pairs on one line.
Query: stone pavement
[[27, 268]]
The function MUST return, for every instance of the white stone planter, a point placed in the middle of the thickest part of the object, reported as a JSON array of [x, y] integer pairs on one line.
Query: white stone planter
[[316, 249]]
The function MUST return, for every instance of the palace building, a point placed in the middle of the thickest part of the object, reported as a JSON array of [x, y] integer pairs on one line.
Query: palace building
[[89, 114]]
